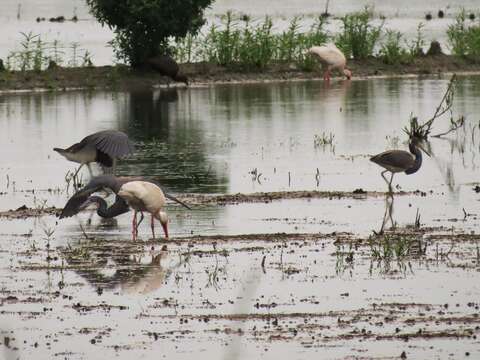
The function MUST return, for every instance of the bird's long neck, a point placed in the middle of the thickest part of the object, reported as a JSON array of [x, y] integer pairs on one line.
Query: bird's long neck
[[418, 160], [102, 209]]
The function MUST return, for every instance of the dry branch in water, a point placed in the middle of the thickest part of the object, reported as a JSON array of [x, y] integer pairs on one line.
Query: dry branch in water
[[421, 131]]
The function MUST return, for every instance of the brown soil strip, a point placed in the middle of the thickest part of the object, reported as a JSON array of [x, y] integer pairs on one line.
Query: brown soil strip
[[123, 78], [277, 237], [25, 212], [267, 197], [206, 199]]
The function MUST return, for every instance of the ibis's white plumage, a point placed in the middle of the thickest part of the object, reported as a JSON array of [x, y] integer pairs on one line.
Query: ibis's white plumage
[[332, 58], [143, 196], [329, 55]]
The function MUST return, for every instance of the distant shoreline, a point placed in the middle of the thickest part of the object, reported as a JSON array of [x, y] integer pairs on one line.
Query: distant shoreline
[[123, 78]]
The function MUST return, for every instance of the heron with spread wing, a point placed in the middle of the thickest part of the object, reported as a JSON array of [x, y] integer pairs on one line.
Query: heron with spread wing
[[131, 192], [103, 147]]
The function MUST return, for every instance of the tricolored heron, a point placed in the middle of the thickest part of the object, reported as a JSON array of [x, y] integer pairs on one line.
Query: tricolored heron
[[396, 161], [131, 192], [104, 147], [332, 58]]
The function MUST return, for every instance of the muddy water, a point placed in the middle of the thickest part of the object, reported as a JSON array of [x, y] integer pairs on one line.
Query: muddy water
[[20, 16], [74, 289]]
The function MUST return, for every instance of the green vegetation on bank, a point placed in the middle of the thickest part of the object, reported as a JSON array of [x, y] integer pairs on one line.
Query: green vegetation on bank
[[464, 38], [36, 54], [240, 42]]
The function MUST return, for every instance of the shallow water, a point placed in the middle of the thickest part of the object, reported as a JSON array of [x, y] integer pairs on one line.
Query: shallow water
[[403, 16], [75, 296]]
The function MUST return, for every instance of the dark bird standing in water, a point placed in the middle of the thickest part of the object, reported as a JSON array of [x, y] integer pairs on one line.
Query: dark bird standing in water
[[167, 66], [131, 192], [104, 147], [397, 161]]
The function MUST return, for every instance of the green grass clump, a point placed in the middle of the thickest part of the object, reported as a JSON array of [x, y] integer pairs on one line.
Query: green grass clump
[[359, 36], [391, 247], [315, 37], [416, 46], [36, 55], [252, 44], [391, 51], [464, 39]]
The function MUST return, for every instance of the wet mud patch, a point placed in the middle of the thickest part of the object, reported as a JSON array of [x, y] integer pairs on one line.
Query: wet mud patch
[[267, 197], [215, 291], [228, 199], [24, 212]]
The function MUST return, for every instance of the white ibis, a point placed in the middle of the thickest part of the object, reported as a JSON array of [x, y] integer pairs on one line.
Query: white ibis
[[104, 147], [397, 161], [136, 193], [167, 66], [331, 58]]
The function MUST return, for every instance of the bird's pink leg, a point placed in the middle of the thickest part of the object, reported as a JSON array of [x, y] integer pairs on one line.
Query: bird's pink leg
[[134, 225], [140, 221], [152, 224]]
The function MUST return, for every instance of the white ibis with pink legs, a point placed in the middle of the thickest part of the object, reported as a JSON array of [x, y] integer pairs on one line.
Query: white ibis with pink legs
[[331, 58]]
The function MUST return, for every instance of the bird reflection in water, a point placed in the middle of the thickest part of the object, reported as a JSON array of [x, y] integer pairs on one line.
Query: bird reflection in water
[[388, 215], [109, 267], [168, 95], [154, 276]]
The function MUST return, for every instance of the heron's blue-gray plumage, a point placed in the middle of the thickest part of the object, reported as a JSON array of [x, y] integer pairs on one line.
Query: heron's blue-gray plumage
[[400, 160], [102, 147], [115, 144]]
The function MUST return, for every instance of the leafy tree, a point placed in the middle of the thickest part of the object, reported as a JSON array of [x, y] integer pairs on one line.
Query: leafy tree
[[143, 27]]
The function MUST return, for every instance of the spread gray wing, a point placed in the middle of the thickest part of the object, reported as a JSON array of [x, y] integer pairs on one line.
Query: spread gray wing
[[114, 143], [72, 207]]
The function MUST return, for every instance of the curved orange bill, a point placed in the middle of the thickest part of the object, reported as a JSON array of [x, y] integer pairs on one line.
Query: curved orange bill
[[165, 229]]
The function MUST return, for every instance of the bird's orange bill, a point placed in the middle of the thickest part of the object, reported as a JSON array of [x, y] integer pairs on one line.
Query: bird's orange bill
[[165, 229]]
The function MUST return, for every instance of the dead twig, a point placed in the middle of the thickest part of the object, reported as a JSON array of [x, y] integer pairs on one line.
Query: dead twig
[[422, 131], [454, 125]]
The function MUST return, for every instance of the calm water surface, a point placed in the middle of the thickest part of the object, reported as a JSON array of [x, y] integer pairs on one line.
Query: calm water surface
[[209, 139]]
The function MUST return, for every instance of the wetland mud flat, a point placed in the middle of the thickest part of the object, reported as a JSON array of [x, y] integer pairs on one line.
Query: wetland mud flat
[[292, 249], [221, 294]]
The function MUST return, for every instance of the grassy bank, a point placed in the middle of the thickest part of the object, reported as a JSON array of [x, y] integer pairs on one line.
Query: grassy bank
[[242, 49], [121, 77]]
